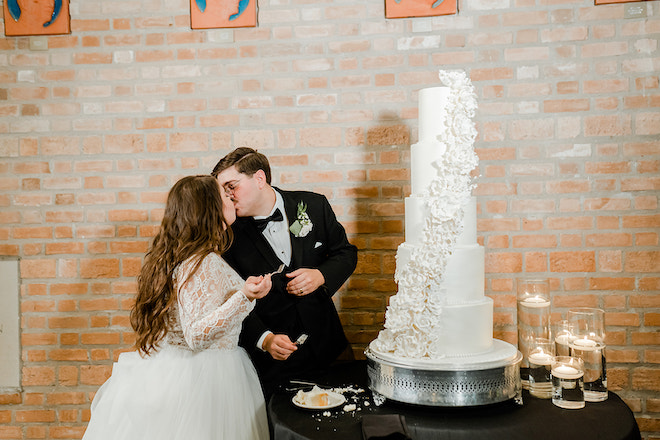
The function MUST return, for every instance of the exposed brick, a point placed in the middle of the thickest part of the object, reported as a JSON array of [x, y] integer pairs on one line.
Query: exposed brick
[[652, 319], [38, 268], [642, 261], [503, 263], [94, 374], [579, 261], [38, 376], [65, 432], [645, 338], [652, 356], [606, 283], [47, 416], [646, 379], [95, 132], [622, 357], [622, 319], [99, 268], [394, 135], [10, 399], [66, 398]]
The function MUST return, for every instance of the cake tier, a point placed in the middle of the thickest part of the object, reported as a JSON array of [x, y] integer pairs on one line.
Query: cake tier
[[500, 352], [463, 279], [453, 330], [431, 106], [468, 328], [416, 209], [423, 169]]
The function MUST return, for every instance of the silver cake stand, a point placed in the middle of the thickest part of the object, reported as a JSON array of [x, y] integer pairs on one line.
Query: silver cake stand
[[487, 378]]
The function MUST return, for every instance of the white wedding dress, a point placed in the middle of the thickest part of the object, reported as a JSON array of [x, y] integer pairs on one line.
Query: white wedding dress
[[199, 385]]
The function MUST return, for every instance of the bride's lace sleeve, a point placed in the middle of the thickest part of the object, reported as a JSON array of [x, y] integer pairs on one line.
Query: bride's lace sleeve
[[211, 304]]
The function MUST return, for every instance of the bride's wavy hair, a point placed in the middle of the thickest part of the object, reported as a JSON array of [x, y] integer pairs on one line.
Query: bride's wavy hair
[[193, 226]]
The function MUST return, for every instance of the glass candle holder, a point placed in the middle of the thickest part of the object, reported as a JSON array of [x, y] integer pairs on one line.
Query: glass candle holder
[[533, 304], [587, 326], [562, 335], [541, 356], [567, 376]]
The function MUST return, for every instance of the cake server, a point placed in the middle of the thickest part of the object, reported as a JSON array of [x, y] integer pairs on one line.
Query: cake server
[[279, 270]]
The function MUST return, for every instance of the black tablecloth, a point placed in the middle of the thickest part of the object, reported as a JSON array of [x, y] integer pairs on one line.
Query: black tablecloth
[[536, 419]]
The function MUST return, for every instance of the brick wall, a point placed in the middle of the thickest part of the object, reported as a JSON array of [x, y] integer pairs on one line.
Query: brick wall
[[95, 130]]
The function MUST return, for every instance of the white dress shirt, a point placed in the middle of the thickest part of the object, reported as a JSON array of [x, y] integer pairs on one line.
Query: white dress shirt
[[277, 235]]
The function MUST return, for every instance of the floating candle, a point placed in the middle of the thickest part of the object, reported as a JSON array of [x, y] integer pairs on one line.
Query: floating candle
[[587, 343], [566, 372], [541, 358], [536, 301]]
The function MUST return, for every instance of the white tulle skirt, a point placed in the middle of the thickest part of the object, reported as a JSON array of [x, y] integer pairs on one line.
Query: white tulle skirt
[[178, 394]]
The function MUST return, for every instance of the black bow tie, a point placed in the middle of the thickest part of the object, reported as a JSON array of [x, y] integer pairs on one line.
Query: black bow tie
[[262, 223]]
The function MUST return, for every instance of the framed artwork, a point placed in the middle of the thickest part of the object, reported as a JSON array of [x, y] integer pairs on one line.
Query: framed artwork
[[606, 2], [207, 14], [36, 17], [419, 8]]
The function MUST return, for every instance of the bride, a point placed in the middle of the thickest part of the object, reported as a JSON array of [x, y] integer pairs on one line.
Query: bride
[[188, 378]]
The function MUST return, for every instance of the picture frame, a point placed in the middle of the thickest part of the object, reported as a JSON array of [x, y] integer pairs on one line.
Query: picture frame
[[36, 17], [419, 8], [207, 14]]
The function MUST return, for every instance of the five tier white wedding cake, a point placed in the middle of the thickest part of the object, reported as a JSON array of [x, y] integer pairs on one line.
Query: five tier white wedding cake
[[440, 312]]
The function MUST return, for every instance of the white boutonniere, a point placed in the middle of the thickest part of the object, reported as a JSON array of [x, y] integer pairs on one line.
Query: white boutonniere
[[303, 225]]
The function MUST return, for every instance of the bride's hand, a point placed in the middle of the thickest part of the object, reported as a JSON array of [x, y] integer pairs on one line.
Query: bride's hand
[[257, 287]]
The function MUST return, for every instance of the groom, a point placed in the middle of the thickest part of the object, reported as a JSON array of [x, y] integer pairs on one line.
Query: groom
[[299, 230]]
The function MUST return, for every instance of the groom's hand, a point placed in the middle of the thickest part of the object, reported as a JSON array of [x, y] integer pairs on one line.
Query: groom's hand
[[280, 347], [304, 281]]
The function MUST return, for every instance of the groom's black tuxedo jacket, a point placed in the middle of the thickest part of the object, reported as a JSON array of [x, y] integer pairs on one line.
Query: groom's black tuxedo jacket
[[325, 248]]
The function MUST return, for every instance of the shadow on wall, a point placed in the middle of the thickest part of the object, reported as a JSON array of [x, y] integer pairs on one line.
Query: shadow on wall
[[378, 228]]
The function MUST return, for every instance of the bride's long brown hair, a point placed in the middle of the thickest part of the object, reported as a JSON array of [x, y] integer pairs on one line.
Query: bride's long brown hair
[[193, 226]]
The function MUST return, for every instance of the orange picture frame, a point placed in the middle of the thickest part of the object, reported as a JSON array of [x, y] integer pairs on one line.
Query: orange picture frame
[[419, 8], [36, 17], [207, 14], [607, 2]]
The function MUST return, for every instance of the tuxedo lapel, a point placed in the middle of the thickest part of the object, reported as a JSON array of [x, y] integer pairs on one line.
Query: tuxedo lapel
[[291, 208], [256, 237]]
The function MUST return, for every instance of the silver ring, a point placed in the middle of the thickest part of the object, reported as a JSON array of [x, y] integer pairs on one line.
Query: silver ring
[[301, 291]]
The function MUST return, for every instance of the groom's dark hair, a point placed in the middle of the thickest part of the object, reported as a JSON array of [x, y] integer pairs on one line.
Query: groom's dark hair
[[247, 161]]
